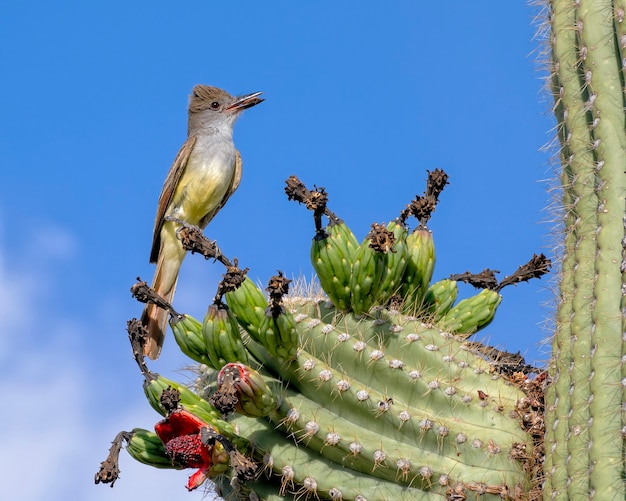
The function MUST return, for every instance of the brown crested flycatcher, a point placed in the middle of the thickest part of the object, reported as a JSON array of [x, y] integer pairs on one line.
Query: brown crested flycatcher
[[205, 173]]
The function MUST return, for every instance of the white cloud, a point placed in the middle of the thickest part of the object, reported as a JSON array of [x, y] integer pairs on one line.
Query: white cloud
[[53, 432], [17, 287], [56, 242]]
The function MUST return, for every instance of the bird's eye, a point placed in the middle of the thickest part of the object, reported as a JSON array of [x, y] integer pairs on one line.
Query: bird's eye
[[215, 105]]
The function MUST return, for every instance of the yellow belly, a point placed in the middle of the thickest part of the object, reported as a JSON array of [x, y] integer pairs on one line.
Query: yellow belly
[[202, 187]]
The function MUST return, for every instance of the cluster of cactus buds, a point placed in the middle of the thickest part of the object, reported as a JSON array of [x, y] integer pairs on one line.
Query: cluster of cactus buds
[[372, 392]]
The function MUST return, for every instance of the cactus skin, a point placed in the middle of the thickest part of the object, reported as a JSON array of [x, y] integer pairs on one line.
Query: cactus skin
[[367, 271], [394, 265], [584, 412], [472, 314], [248, 303], [331, 256], [419, 268], [440, 297], [278, 335], [188, 335], [222, 338], [146, 447], [289, 466]]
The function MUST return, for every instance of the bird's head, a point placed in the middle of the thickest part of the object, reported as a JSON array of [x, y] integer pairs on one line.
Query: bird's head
[[214, 107]]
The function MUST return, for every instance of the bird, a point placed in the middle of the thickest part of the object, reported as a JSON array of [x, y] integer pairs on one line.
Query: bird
[[203, 176]]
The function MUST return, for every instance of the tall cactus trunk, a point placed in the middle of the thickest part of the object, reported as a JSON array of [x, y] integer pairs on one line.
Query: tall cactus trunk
[[585, 413]]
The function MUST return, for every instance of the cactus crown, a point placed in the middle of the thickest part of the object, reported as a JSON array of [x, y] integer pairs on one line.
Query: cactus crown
[[374, 391]]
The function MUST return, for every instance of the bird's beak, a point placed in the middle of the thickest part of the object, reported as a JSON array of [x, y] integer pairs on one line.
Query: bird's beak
[[244, 102]]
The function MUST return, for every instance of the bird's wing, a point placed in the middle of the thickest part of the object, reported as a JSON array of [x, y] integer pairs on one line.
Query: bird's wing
[[234, 184], [171, 181]]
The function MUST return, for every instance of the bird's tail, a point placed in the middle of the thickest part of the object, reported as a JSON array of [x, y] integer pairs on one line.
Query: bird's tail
[[153, 317]]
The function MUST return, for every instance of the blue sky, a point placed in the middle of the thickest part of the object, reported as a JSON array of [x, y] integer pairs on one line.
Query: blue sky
[[361, 99]]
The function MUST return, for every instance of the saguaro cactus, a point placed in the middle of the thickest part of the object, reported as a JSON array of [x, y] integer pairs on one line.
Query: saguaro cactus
[[375, 390], [585, 403]]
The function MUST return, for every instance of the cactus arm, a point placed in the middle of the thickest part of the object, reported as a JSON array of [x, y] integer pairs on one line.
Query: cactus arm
[[598, 34], [587, 391]]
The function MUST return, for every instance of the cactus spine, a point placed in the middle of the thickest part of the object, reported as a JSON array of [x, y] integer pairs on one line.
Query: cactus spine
[[585, 413]]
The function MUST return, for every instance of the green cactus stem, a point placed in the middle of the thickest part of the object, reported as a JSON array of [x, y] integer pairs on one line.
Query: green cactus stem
[[585, 414]]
